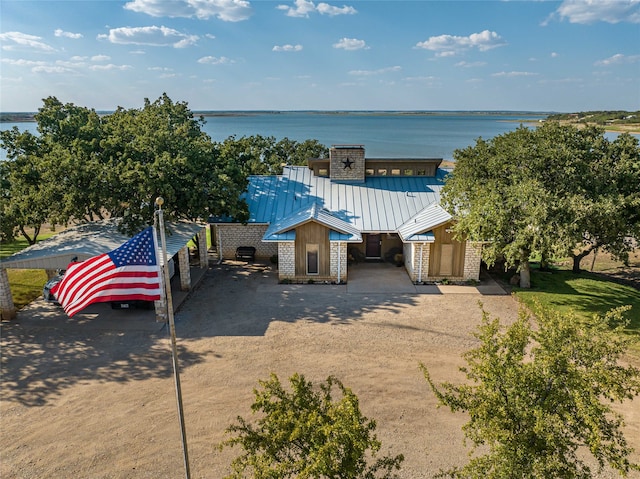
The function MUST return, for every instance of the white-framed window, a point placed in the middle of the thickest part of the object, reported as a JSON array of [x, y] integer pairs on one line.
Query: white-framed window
[[313, 258]]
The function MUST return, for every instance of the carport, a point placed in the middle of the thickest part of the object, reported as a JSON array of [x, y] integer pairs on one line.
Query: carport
[[91, 239]]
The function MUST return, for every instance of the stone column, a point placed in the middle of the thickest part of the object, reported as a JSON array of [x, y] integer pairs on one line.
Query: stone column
[[286, 260], [204, 252], [7, 308], [185, 270]]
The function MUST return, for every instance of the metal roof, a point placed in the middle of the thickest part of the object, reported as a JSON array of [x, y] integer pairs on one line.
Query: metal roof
[[88, 240], [315, 213], [430, 217], [379, 205]]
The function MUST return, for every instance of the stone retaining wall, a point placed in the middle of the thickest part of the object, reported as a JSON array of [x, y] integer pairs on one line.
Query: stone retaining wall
[[230, 236]]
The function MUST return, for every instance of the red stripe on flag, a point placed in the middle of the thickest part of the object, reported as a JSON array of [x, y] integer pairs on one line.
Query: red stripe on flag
[[98, 280]]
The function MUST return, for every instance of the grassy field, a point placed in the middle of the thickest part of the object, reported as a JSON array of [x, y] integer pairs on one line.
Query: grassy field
[[26, 284], [589, 293], [585, 293]]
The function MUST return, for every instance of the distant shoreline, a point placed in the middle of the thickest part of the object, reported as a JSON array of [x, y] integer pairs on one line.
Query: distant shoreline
[[14, 117], [633, 128]]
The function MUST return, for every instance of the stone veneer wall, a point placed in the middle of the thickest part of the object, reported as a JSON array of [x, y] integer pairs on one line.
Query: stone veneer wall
[[472, 260], [337, 170], [342, 251], [230, 236], [415, 259], [286, 260]]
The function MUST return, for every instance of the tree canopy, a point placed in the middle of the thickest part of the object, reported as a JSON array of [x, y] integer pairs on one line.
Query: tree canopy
[[554, 190], [82, 166], [539, 397], [307, 433]]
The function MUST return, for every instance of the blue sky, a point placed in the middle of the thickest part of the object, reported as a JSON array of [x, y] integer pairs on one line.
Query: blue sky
[[306, 55]]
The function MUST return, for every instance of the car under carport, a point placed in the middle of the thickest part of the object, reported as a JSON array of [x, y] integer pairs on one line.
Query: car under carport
[[91, 239]]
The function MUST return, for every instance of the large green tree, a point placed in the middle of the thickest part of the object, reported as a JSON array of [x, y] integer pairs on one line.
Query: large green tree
[[82, 167], [260, 155], [554, 190], [161, 150], [538, 398], [308, 433]]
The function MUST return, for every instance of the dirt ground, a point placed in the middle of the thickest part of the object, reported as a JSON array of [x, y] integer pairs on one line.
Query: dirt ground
[[80, 401]]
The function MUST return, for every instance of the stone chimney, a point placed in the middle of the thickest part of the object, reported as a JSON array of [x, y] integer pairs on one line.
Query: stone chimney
[[346, 163]]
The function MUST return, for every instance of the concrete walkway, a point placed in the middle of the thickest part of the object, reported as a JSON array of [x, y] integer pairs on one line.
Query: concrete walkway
[[388, 278]]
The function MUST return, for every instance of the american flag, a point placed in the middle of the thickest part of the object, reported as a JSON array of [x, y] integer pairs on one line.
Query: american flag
[[129, 272]]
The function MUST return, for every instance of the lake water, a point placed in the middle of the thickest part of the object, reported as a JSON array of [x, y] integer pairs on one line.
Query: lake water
[[383, 134]]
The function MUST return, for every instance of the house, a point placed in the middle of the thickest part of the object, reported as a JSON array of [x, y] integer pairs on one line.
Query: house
[[320, 218]]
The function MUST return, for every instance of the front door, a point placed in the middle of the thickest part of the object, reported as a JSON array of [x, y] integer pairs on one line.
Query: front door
[[373, 246]]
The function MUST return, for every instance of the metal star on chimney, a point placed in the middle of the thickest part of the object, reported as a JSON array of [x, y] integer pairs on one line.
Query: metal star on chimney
[[347, 163]]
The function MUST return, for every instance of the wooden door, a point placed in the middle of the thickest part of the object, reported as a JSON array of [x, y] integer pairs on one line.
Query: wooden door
[[373, 246]]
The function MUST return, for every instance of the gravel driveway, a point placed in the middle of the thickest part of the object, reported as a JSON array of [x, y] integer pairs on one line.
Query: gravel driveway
[[83, 401]]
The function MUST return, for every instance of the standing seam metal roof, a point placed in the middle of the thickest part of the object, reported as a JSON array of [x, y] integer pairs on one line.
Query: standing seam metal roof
[[379, 205]]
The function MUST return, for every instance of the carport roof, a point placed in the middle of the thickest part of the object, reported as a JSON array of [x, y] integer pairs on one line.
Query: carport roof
[[91, 239]]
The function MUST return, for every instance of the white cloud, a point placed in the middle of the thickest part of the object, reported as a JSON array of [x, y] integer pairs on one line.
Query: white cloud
[[513, 74], [554, 55], [51, 69], [448, 45], [351, 44], [380, 71], [464, 64], [109, 67], [302, 8], [23, 63], [326, 9], [287, 48], [215, 60], [618, 59], [160, 69], [19, 40], [421, 79], [591, 11], [62, 33], [153, 36], [71, 64], [100, 58], [226, 10]]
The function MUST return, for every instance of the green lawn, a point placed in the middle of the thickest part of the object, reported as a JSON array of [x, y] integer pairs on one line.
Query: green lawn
[[586, 294], [26, 284]]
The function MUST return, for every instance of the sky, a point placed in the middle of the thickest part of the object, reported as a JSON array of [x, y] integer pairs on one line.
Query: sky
[[564, 56]]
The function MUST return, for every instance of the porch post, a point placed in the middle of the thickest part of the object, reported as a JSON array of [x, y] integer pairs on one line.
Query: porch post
[[7, 307], [185, 273], [204, 250]]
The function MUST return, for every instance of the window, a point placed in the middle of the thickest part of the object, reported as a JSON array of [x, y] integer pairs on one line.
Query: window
[[395, 171], [421, 172], [323, 172], [368, 172], [408, 172], [312, 258], [382, 172]]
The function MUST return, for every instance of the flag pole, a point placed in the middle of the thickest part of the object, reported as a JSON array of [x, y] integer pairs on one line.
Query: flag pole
[[172, 330]]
